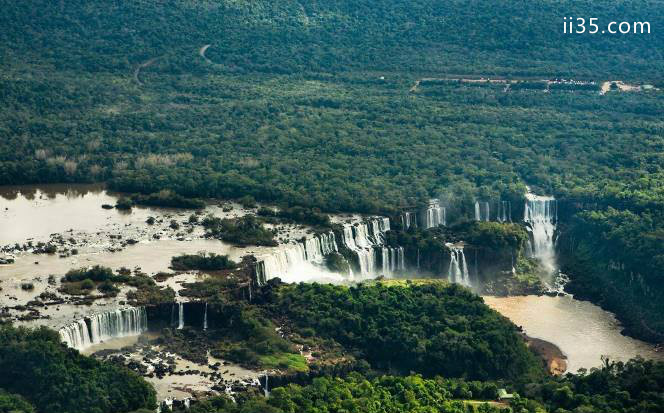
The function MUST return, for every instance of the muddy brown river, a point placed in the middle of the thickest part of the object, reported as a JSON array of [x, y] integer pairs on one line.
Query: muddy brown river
[[583, 331]]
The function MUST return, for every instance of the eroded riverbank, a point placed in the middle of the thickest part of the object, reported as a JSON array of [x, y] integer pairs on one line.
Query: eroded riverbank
[[583, 331]]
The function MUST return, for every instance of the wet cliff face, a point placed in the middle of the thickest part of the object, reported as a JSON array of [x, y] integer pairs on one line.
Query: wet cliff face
[[482, 263], [193, 314], [471, 253]]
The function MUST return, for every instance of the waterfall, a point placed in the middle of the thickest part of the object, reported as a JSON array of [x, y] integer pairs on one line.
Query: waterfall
[[408, 219], [76, 335], [261, 275], [205, 324], [288, 257], [267, 389], [458, 270], [482, 211], [101, 327], [505, 211], [385, 252], [166, 404], [180, 316], [434, 215], [365, 239], [393, 260], [541, 216]]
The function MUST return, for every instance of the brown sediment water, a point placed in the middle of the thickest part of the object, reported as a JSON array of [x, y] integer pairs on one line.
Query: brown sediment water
[[581, 330], [35, 212], [72, 218]]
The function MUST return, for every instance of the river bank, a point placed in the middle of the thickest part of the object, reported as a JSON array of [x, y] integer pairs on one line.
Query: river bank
[[556, 361], [581, 331]]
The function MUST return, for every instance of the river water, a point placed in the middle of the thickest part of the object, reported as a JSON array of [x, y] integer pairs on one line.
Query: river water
[[583, 331], [72, 217]]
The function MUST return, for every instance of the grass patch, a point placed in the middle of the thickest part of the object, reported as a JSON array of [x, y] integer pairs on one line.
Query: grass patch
[[285, 361], [411, 283]]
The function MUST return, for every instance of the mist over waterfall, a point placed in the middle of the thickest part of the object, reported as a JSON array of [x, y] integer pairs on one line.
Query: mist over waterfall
[[98, 328], [458, 270], [302, 255], [433, 215], [365, 240], [541, 216]]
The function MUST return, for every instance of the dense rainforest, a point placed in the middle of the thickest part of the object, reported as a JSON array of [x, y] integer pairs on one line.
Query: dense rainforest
[[430, 328], [322, 106], [40, 374], [617, 387]]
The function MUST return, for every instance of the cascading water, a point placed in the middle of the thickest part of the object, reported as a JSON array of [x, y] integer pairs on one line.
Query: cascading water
[[362, 238], [505, 211], [541, 216], [302, 254], [267, 388], [393, 260], [205, 323], [433, 215], [76, 335], [482, 211], [408, 219], [101, 327], [365, 239], [180, 316], [458, 270]]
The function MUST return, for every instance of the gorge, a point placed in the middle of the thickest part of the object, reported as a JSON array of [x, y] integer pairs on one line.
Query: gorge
[[370, 250]]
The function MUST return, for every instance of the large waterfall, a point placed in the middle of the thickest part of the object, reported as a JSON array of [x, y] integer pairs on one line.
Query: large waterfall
[[541, 216], [301, 254], [458, 270], [393, 260], [433, 215], [304, 259], [365, 239], [98, 328]]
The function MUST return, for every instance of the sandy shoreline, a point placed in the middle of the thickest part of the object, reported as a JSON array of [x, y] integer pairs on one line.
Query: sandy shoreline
[[555, 359]]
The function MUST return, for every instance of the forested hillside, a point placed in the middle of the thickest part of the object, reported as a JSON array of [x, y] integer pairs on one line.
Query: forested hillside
[[53, 378], [512, 37], [317, 104]]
